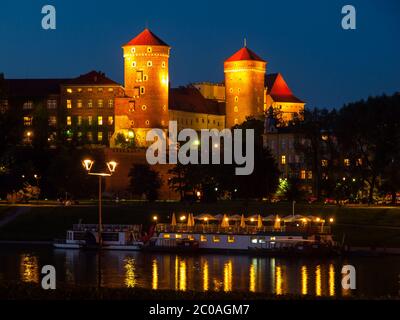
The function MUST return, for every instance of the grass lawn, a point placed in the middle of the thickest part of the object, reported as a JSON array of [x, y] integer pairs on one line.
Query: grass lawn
[[362, 226]]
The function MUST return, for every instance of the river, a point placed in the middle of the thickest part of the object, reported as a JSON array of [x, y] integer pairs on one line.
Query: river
[[375, 276]]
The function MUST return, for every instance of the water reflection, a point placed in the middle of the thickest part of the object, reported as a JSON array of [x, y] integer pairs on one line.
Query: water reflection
[[29, 268], [211, 272], [130, 280]]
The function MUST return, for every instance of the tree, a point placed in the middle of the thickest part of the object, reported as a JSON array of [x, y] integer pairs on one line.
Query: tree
[[144, 180], [369, 132]]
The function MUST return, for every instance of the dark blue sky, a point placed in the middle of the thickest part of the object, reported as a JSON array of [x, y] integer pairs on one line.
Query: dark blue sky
[[323, 64]]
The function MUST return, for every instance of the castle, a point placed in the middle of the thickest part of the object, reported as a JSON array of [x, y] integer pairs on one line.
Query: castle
[[149, 102], [94, 110]]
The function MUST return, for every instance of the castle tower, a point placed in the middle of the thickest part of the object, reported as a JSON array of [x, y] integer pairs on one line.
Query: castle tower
[[146, 81], [244, 86]]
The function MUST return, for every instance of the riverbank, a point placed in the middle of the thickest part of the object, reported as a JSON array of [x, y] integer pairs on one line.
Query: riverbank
[[359, 226], [26, 291]]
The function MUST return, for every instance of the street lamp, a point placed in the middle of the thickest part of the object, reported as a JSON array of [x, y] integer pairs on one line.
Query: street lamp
[[111, 166]]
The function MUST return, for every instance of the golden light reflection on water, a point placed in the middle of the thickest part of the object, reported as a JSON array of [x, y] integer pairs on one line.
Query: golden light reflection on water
[[304, 280], [182, 275], [154, 282], [29, 268], [176, 273], [130, 280], [318, 285], [228, 276], [252, 276], [279, 280], [205, 275], [331, 280]]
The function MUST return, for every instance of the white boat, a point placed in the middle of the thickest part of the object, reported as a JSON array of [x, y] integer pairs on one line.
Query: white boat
[[114, 237], [289, 239]]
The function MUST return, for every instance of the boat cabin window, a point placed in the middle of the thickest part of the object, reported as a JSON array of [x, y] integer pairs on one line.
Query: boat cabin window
[[272, 238], [178, 236], [203, 238], [216, 239], [253, 239], [190, 237], [231, 239], [261, 240], [166, 236]]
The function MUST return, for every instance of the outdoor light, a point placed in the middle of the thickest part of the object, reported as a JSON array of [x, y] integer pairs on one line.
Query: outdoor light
[[182, 218], [206, 219], [131, 134], [87, 164], [354, 179], [251, 219], [226, 219], [198, 193], [344, 178], [318, 219], [216, 189], [111, 166], [216, 145], [155, 218], [279, 219], [331, 220]]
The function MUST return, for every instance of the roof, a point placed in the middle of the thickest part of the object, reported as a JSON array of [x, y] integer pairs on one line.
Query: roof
[[33, 87], [146, 38], [278, 89], [244, 54], [190, 99], [92, 78]]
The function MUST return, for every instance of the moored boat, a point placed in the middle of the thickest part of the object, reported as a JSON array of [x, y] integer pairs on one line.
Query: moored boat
[[113, 237]]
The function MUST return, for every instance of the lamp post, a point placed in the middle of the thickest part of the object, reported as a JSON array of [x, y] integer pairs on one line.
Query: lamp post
[[111, 166]]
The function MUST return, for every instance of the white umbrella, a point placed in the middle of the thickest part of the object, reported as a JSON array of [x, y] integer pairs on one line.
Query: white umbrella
[[271, 217], [242, 222]]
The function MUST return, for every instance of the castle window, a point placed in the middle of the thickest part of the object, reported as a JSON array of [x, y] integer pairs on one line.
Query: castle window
[[69, 90], [27, 105], [110, 89], [236, 121], [141, 90], [99, 89], [235, 109], [110, 103], [145, 77], [147, 122], [239, 90], [346, 162], [163, 64], [51, 104], [144, 107], [149, 49], [139, 75], [52, 120], [100, 103], [27, 121], [90, 89], [236, 99], [99, 136], [79, 120], [136, 91], [90, 120], [90, 103], [110, 120], [79, 104], [324, 163], [69, 104], [310, 174], [302, 174], [79, 89], [131, 106], [133, 50], [283, 159], [231, 90], [149, 63], [90, 136], [69, 120], [134, 64], [100, 120]]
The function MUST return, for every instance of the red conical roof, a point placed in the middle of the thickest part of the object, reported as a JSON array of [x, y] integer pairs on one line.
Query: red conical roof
[[146, 38], [244, 54]]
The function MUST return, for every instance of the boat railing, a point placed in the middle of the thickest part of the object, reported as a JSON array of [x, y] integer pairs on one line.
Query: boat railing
[[214, 228], [107, 227]]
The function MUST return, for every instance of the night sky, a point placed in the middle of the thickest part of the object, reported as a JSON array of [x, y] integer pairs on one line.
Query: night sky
[[323, 64]]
